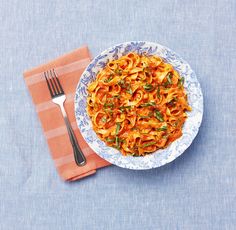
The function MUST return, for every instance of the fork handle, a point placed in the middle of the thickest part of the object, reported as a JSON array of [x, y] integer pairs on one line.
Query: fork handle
[[78, 154]]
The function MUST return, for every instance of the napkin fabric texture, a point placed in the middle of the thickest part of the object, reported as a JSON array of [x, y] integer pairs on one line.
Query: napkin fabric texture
[[69, 68]]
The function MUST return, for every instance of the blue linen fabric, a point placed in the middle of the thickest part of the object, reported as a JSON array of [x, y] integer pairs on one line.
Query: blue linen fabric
[[196, 191]]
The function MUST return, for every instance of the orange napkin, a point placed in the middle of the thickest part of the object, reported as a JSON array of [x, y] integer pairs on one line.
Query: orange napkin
[[69, 68]]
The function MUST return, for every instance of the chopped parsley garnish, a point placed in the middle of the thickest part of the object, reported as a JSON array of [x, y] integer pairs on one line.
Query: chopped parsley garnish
[[169, 76], [116, 96], [108, 105], [110, 139], [165, 136], [108, 111], [169, 81], [117, 142], [163, 128], [158, 92], [158, 115], [117, 128], [148, 87], [104, 120], [165, 84], [172, 102], [176, 123], [129, 91], [149, 144], [108, 80], [116, 147], [148, 104], [147, 116], [122, 141], [144, 116], [118, 71], [122, 84], [181, 82], [126, 107]]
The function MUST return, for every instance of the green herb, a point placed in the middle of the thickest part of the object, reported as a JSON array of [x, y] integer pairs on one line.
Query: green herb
[[165, 84], [118, 71], [108, 80], [129, 91], [116, 96], [181, 82], [108, 110], [176, 123], [171, 103], [163, 128], [148, 87], [159, 115], [108, 105], [148, 116], [148, 104], [126, 107], [169, 76], [149, 144], [144, 116], [104, 119], [116, 147], [110, 99], [121, 83], [117, 128], [158, 92], [117, 141], [110, 139]]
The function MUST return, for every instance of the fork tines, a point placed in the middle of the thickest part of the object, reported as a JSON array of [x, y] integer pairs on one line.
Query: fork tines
[[53, 83]]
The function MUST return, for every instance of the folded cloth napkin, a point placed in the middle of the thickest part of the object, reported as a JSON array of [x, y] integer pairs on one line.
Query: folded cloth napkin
[[69, 68]]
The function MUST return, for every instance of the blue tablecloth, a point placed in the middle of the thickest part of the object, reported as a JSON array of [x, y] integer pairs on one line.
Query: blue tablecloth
[[196, 191]]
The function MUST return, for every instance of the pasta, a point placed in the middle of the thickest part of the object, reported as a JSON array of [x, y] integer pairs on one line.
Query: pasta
[[137, 104]]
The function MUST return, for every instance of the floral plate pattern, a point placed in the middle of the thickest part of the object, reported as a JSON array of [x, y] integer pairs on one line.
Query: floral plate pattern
[[190, 128]]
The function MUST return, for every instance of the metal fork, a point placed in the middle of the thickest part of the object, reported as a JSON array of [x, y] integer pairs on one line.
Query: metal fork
[[59, 97]]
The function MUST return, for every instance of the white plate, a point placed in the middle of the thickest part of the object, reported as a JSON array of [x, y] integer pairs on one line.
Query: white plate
[[190, 128]]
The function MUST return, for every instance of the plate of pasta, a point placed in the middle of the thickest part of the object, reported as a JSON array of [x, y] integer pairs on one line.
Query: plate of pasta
[[138, 105]]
